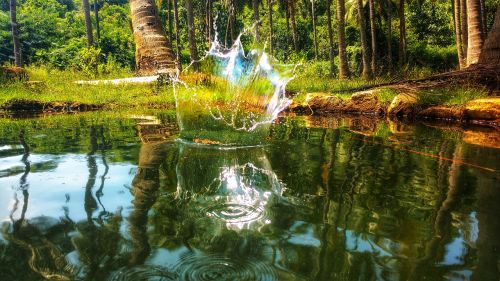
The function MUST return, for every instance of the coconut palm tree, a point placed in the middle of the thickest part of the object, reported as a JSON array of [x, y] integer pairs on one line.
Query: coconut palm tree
[[458, 33], [402, 32], [270, 15], [389, 35], [88, 22], [367, 73], [344, 67], [475, 35], [330, 38], [152, 47], [255, 6], [193, 51], [491, 48], [373, 32], [15, 34]]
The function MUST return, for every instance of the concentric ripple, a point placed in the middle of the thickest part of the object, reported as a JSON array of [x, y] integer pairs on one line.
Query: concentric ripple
[[143, 273], [202, 267], [235, 213]]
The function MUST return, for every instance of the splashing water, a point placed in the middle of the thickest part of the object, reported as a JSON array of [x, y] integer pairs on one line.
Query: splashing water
[[246, 95]]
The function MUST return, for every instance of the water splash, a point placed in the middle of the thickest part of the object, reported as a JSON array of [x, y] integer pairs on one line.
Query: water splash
[[246, 95]]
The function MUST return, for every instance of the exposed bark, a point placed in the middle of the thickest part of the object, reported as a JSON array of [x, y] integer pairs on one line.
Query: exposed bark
[[15, 34], [193, 51], [315, 39], [463, 22], [152, 47], [330, 38], [178, 46], [170, 23], [402, 33], [491, 48], [367, 73], [344, 67], [256, 19], [208, 20], [389, 36], [295, 36], [373, 32], [97, 28], [458, 34], [88, 22], [474, 22], [270, 15]]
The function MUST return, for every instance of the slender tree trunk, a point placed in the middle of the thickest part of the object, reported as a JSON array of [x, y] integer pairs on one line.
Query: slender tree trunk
[[465, 30], [178, 46], [256, 18], [402, 33], [88, 22], [153, 51], [97, 28], [373, 32], [367, 74], [209, 21], [474, 23], [270, 15], [330, 38], [389, 36], [491, 48], [458, 33], [484, 29], [315, 39], [170, 22], [15, 34], [344, 67], [193, 52], [295, 35], [287, 16]]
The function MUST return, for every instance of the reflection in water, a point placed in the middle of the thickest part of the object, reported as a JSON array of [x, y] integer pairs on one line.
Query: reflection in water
[[315, 204]]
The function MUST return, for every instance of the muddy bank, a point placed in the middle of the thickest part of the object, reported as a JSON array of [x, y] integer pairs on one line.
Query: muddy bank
[[403, 106]]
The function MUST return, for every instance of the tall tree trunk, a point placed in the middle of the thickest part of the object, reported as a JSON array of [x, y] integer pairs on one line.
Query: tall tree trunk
[[177, 35], [330, 38], [88, 22], [344, 66], [484, 29], [256, 18], [367, 74], [15, 34], [287, 16], [402, 33], [315, 39], [209, 21], [295, 36], [97, 28], [170, 22], [474, 23], [152, 47], [491, 48], [193, 52], [458, 33], [463, 22], [373, 32], [389, 36], [270, 15]]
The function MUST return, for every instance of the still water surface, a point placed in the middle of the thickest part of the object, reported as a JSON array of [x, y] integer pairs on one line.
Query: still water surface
[[116, 197]]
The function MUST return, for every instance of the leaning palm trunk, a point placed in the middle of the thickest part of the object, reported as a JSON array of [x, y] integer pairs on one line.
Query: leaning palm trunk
[[458, 34], [491, 48], [15, 34], [367, 73], [152, 47], [474, 22]]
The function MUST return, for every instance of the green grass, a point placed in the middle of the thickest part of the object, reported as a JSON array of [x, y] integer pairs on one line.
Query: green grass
[[452, 95], [329, 85]]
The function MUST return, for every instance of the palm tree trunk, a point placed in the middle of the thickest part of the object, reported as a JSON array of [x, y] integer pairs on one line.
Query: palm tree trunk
[[295, 36], [458, 33], [474, 23], [373, 31], [389, 36], [152, 47], [491, 48], [270, 15], [344, 67], [15, 34], [330, 38], [193, 52], [255, 5], [465, 33], [97, 28], [315, 39], [170, 22], [402, 33], [88, 22], [178, 46], [367, 74]]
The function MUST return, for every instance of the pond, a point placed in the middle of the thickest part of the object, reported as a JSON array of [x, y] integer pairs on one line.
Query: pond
[[116, 196]]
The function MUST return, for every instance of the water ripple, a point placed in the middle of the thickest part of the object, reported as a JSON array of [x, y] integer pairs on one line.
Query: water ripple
[[235, 212], [203, 267], [143, 273]]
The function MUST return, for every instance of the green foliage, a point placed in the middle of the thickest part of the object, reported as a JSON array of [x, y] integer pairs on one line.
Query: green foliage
[[451, 95], [89, 61]]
